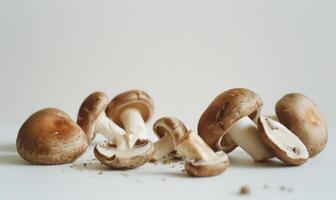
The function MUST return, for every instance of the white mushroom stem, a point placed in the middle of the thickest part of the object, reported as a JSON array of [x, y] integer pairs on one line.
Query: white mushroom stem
[[194, 148], [163, 147], [245, 134], [133, 123], [115, 134]]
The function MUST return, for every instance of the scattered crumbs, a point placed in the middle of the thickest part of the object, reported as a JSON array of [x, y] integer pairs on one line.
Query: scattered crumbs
[[265, 186], [282, 188], [245, 190], [85, 164], [290, 189], [100, 173], [138, 180], [173, 166], [183, 170], [62, 170], [163, 179], [124, 174]]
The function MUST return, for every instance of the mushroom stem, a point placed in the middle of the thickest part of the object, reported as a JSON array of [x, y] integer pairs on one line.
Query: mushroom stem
[[194, 148], [107, 127], [245, 134], [133, 123], [163, 147]]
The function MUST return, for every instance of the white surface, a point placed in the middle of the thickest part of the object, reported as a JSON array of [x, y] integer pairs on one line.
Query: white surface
[[183, 52], [20, 180]]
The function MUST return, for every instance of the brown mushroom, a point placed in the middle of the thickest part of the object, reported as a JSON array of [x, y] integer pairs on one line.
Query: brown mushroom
[[167, 129], [131, 110], [301, 116], [92, 118], [200, 159], [124, 158], [232, 117], [284, 144], [50, 137]]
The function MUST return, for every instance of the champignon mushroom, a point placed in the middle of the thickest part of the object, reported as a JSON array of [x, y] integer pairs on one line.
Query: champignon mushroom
[[50, 137], [122, 150], [121, 157], [301, 116], [92, 118], [231, 120], [284, 144], [131, 110], [167, 129], [200, 159]]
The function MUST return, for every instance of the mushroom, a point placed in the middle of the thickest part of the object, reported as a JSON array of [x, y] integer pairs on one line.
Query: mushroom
[[131, 110], [200, 159], [301, 116], [285, 145], [122, 157], [50, 137], [167, 129], [230, 120], [119, 152], [92, 118]]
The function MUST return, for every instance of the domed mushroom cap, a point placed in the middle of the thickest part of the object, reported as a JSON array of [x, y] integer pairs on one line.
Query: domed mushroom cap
[[136, 99], [223, 112], [89, 111], [204, 168], [300, 115], [284, 144], [49, 136], [131, 158]]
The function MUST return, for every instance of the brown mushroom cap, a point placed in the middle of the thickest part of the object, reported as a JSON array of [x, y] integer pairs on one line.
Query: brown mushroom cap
[[223, 112], [137, 99], [204, 168], [172, 127], [300, 115], [284, 144], [91, 108], [50, 137], [108, 154]]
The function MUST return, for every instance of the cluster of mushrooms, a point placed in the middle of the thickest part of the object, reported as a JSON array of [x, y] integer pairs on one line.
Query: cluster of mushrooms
[[297, 132]]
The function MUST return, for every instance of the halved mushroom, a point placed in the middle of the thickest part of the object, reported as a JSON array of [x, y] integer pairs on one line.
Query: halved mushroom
[[285, 144], [131, 110], [124, 158], [50, 137], [230, 120], [301, 116], [200, 159], [92, 119]]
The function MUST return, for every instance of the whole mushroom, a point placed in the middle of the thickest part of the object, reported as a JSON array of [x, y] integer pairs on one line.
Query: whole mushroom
[[230, 120], [50, 137], [200, 159], [119, 152], [301, 116], [131, 110]]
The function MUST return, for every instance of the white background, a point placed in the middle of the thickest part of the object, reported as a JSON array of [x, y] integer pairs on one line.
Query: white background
[[183, 53]]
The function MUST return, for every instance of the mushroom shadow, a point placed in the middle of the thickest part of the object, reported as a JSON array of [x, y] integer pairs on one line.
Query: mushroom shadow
[[245, 162], [178, 173], [8, 148], [13, 159]]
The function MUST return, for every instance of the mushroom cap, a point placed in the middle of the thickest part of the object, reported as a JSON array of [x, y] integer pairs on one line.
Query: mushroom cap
[[172, 127], [135, 157], [136, 99], [300, 115], [89, 111], [223, 112], [204, 168], [50, 137], [284, 144]]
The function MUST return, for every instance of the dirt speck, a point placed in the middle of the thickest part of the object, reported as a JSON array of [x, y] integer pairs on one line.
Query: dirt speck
[[245, 190]]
